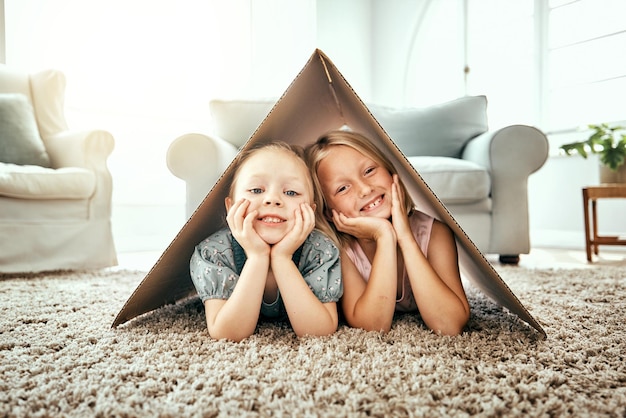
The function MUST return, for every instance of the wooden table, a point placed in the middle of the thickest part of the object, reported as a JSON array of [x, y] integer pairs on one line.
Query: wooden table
[[593, 193]]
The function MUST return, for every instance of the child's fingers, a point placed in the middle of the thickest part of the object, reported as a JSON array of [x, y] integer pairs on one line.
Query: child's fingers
[[231, 215], [308, 216], [352, 226], [395, 200], [242, 207], [343, 223], [249, 219], [236, 215], [399, 217], [396, 191], [298, 218], [305, 221]]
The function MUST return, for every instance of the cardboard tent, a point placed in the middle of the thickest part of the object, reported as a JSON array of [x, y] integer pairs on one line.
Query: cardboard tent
[[317, 101]]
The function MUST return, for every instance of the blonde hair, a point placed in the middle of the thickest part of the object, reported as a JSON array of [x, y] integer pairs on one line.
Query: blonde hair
[[320, 149]]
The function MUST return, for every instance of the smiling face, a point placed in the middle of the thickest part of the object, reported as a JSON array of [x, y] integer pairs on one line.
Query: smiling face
[[354, 184], [275, 182]]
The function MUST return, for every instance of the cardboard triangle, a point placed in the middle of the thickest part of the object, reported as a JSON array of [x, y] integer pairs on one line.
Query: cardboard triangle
[[317, 101]]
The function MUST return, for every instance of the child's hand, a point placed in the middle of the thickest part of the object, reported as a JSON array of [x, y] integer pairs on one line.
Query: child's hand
[[363, 227], [304, 224], [241, 227], [399, 217]]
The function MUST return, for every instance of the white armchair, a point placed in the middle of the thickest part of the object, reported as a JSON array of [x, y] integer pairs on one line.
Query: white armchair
[[55, 187]]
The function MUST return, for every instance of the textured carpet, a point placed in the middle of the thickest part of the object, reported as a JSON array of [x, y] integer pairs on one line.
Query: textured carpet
[[59, 356]]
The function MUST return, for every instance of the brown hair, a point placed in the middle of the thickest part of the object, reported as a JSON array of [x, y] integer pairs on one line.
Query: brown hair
[[320, 149]]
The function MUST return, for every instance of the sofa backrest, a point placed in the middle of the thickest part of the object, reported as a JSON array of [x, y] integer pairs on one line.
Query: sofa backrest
[[438, 130], [236, 120], [45, 91]]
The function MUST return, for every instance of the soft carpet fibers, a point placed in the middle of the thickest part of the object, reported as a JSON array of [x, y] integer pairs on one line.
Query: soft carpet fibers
[[59, 356]]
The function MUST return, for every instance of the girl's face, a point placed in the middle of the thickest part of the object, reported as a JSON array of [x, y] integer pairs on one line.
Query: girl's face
[[354, 184], [275, 183]]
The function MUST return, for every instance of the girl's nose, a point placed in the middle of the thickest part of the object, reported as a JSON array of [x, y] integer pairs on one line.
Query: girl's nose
[[364, 189], [272, 199]]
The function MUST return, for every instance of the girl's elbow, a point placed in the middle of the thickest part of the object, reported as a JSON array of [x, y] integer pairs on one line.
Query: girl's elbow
[[378, 328], [452, 328], [377, 325], [450, 331], [235, 338], [323, 331], [230, 336], [316, 333]]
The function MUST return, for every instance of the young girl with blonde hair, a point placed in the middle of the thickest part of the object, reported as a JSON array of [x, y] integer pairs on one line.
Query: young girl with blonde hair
[[269, 261], [394, 257]]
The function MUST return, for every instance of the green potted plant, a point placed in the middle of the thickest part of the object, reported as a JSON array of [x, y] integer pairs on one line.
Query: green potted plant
[[609, 142]]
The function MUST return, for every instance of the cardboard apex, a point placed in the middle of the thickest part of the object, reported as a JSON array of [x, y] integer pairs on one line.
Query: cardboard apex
[[318, 100]]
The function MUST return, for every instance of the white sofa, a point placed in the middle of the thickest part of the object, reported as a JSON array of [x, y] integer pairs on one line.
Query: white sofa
[[480, 175], [55, 187]]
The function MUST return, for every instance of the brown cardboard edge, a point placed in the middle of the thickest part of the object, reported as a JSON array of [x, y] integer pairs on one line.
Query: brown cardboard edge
[[167, 273]]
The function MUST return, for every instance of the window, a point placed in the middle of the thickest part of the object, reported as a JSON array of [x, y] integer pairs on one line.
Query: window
[[587, 63], [556, 64]]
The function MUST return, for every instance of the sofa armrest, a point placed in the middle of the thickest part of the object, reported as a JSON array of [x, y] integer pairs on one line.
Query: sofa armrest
[[90, 150], [516, 150], [199, 160], [87, 149], [510, 154]]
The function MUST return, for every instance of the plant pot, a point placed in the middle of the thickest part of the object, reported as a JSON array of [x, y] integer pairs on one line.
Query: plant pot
[[609, 176]]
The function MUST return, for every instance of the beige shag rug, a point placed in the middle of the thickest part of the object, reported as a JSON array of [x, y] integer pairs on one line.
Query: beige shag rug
[[59, 356]]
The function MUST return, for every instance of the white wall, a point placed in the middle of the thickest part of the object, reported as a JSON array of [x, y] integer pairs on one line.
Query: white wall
[[556, 203], [403, 52], [344, 33], [2, 35]]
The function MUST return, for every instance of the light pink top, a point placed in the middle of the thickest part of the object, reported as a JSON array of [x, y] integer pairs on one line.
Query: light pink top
[[421, 225]]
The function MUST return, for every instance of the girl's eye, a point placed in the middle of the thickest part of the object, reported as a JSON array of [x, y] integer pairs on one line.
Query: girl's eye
[[342, 189], [256, 190], [370, 170], [291, 193]]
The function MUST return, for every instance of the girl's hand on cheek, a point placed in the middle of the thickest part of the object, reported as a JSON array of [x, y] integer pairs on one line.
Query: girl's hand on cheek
[[236, 214], [241, 226], [365, 227], [303, 225], [399, 218]]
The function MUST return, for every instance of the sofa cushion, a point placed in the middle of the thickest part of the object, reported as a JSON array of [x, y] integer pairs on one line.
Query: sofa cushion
[[20, 142], [439, 130], [236, 120], [35, 182], [454, 181]]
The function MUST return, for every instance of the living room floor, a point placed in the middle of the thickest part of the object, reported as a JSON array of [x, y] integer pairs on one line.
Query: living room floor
[[539, 258], [544, 258]]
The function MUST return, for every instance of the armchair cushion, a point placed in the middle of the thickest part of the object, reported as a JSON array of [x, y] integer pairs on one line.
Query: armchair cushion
[[438, 130], [20, 142], [453, 180], [40, 183]]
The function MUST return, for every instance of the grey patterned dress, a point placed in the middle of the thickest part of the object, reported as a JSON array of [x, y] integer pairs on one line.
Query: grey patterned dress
[[217, 262]]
